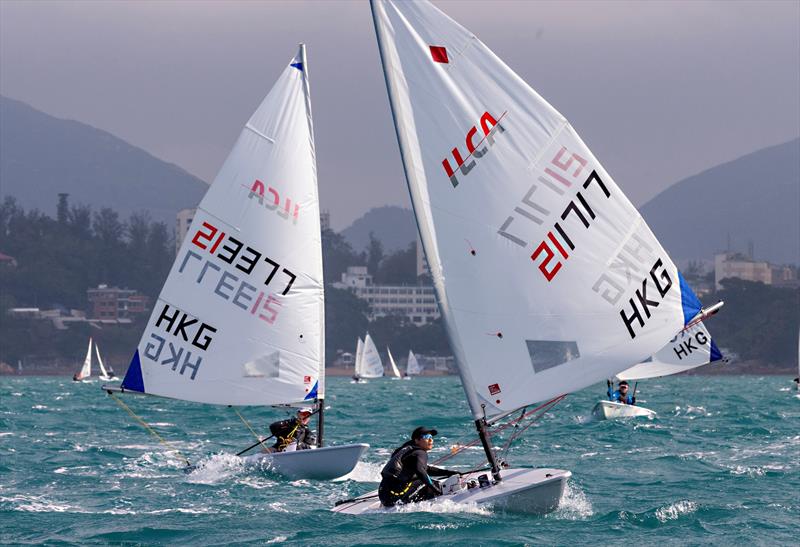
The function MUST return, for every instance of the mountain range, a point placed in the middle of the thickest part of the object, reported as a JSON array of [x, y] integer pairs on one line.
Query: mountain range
[[42, 156], [752, 200]]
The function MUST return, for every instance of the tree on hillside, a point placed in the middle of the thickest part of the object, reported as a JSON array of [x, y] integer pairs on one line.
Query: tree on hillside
[[759, 322], [337, 255], [345, 321], [374, 254], [399, 268]]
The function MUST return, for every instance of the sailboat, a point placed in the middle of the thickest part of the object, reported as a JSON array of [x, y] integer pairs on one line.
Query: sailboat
[[690, 349], [85, 371], [395, 371], [547, 277], [106, 372], [240, 319], [412, 366], [358, 363], [371, 363]]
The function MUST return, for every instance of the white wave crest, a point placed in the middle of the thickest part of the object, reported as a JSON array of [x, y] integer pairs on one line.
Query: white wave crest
[[442, 506], [364, 472], [675, 510], [216, 468], [574, 505]]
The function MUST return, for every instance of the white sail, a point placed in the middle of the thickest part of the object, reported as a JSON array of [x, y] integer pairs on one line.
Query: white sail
[[359, 357], [86, 369], [547, 277], [412, 366], [247, 281], [395, 370], [103, 372], [372, 365], [690, 349]]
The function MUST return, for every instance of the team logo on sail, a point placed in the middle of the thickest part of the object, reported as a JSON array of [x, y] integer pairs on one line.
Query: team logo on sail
[[272, 203], [475, 150]]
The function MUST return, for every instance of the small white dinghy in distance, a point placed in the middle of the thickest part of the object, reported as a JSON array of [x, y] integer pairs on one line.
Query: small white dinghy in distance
[[535, 491], [609, 410], [691, 348], [326, 463]]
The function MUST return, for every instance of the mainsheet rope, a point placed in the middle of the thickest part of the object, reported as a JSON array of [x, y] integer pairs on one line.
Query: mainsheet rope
[[152, 431]]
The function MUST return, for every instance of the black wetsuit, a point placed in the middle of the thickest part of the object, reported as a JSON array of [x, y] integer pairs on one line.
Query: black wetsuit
[[292, 430], [414, 482]]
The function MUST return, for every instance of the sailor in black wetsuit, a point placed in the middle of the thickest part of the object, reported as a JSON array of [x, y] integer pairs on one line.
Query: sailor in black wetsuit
[[406, 477], [293, 431]]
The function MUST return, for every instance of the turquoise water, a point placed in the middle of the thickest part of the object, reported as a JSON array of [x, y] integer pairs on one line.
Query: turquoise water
[[720, 464]]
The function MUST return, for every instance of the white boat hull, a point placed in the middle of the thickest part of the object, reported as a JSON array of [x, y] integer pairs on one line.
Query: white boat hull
[[330, 462], [534, 491], [608, 410]]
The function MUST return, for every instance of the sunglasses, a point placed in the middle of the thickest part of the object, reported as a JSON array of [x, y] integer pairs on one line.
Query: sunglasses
[[427, 436]]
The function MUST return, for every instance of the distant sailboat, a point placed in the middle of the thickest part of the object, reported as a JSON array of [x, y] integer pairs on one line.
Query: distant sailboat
[[412, 366], [535, 253], [371, 363], [395, 371], [85, 371], [240, 319], [690, 349], [358, 365], [106, 372]]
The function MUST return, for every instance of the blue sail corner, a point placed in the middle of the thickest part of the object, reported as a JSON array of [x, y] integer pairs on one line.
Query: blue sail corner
[[133, 378], [298, 66], [716, 354], [313, 393], [689, 301]]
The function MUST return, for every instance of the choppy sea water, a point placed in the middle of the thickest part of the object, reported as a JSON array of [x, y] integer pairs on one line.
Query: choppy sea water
[[720, 464]]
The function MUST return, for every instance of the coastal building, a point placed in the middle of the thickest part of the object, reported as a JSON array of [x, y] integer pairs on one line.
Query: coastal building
[[183, 221], [727, 265], [113, 303], [416, 302]]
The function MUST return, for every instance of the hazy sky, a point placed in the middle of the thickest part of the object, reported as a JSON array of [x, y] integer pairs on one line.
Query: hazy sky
[[658, 90]]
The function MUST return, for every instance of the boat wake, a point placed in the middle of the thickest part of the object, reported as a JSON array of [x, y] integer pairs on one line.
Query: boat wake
[[574, 504], [363, 472], [441, 507], [216, 468]]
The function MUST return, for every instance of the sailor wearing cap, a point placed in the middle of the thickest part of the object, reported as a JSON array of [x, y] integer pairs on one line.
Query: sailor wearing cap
[[406, 477], [293, 434], [621, 394]]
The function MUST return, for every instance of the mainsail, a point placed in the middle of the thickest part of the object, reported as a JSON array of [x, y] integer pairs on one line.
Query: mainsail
[[547, 277], [371, 364], [412, 366], [395, 370], [86, 369], [240, 318], [359, 357], [103, 372], [690, 349]]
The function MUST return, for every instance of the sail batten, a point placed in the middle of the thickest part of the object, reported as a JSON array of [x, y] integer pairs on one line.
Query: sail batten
[[547, 277], [240, 318]]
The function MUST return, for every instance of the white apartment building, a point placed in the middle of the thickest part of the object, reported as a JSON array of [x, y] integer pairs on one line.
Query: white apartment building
[[737, 265], [417, 302]]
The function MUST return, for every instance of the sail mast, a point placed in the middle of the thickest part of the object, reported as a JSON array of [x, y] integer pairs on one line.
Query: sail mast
[[321, 385], [428, 242]]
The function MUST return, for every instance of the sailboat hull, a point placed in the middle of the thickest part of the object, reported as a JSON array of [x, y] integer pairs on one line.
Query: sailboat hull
[[330, 462], [532, 491], [608, 410]]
